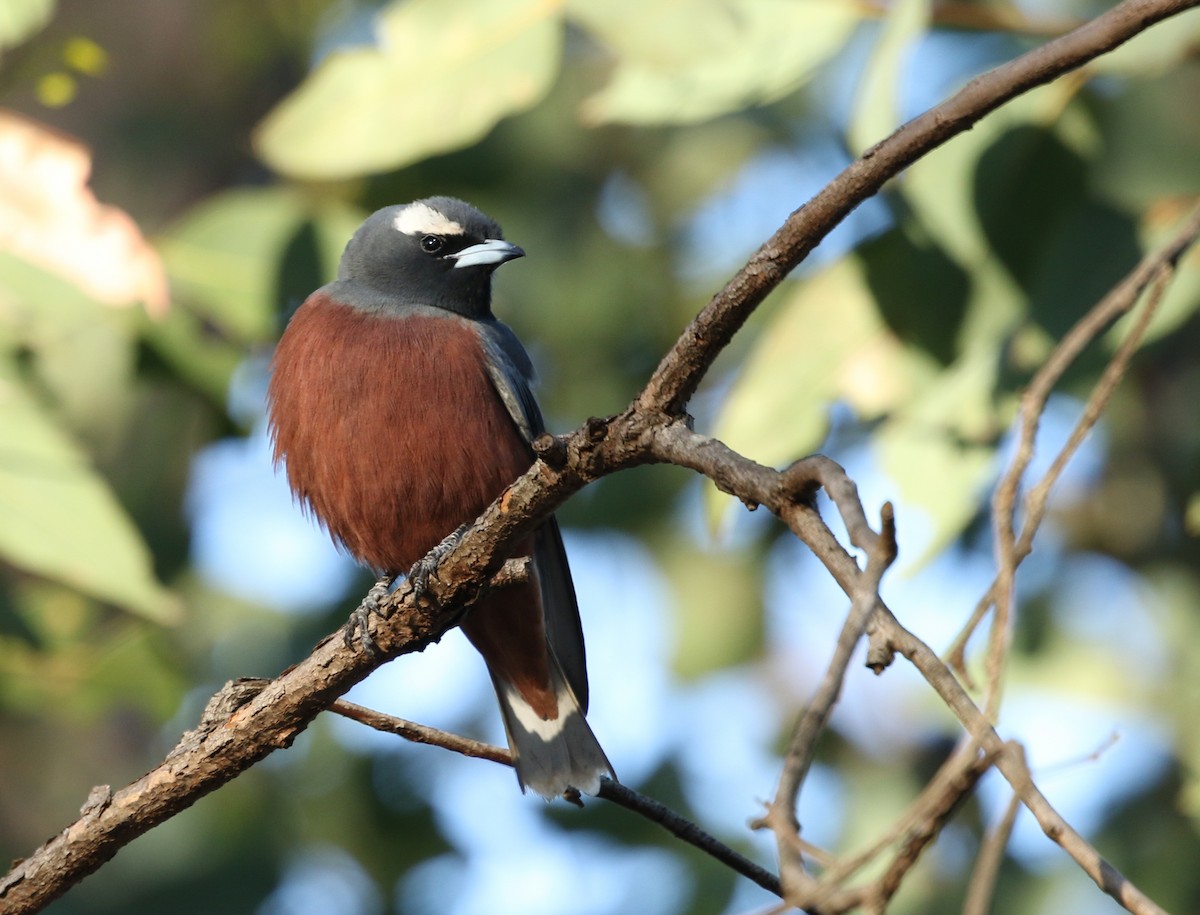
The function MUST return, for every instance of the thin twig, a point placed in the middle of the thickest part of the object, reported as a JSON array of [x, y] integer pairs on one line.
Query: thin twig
[[1153, 270], [689, 832], [421, 733], [614, 792], [781, 816], [957, 775], [938, 675], [982, 885], [806, 522]]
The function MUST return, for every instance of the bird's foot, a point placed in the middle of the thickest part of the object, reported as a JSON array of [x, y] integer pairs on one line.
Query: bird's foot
[[418, 576], [372, 605]]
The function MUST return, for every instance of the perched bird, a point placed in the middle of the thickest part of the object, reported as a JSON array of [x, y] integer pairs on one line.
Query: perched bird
[[401, 408]]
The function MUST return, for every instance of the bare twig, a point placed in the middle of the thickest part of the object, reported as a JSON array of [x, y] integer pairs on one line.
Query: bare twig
[[807, 524], [982, 885], [421, 733], [881, 552], [938, 675], [685, 829], [679, 826], [915, 829], [1153, 271]]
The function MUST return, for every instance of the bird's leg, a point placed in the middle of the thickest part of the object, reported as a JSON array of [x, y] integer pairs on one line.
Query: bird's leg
[[418, 580], [371, 604], [418, 576]]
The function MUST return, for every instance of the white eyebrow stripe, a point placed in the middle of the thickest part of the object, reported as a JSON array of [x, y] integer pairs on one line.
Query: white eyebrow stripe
[[421, 219]]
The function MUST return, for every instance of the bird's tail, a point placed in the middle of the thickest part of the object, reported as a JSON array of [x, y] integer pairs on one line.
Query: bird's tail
[[552, 754]]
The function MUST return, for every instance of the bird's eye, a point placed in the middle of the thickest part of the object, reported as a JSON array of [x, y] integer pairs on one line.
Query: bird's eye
[[432, 244]]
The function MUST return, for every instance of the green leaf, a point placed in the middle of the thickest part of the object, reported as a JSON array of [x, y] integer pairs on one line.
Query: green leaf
[[691, 60], [223, 257], [1153, 52], [940, 447], [20, 19], [824, 342], [1176, 594], [828, 342], [441, 75], [61, 520], [81, 350], [950, 203], [920, 292], [226, 261], [877, 108]]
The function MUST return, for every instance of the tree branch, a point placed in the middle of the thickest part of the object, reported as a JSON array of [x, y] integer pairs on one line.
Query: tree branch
[[679, 826], [679, 373], [881, 552], [249, 727], [1154, 270]]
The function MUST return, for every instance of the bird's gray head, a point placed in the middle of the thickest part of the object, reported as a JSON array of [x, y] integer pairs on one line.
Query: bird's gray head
[[437, 252]]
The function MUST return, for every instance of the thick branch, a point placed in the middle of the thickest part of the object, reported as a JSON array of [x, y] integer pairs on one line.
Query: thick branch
[[679, 373]]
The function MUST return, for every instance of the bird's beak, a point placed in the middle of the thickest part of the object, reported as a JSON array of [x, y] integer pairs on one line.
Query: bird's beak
[[492, 251]]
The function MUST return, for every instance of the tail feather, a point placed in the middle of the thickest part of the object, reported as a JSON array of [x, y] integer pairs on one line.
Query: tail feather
[[552, 755]]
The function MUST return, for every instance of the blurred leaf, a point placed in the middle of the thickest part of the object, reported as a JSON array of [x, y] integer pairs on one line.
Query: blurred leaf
[[877, 107], [1191, 515], [82, 352], [1154, 51], [1150, 139], [964, 204], [696, 163], [57, 89], [439, 78], [223, 257], [682, 62], [1181, 298], [1024, 181], [1064, 247], [81, 665], [226, 259], [824, 342], [21, 18], [919, 291], [85, 56], [1176, 597], [49, 216], [61, 519], [718, 603], [940, 448]]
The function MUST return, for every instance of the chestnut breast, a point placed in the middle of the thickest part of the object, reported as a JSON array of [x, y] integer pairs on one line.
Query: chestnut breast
[[390, 428]]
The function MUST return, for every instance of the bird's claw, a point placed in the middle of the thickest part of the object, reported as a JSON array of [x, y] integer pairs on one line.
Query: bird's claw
[[418, 576], [357, 627], [358, 624]]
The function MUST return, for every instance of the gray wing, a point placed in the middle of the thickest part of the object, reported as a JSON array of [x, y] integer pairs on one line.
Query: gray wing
[[511, 373]]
